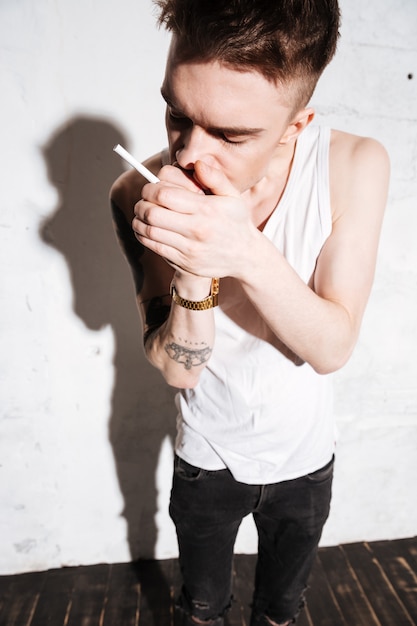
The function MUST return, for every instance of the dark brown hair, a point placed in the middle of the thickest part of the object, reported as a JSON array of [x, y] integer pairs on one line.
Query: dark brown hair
[[284, 40]]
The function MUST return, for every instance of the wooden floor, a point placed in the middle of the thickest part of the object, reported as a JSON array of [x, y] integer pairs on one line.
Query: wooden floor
[[352, 585]]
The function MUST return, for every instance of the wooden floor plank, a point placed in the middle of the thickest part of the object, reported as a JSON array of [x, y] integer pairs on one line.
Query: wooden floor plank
[[21, 598], [122, 600], [304, 618], [347, 590], [156, 593], [5, 583], [406, 548], [321, 600], [401, 572], [55, 600], [377, 587], [243, 582], [88, 596]]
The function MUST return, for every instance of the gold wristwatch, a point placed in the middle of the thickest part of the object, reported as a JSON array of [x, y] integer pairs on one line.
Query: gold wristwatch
[[198, 305]]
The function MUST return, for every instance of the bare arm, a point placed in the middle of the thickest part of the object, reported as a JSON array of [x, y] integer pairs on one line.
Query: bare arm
[[177, 341], [321, 324]]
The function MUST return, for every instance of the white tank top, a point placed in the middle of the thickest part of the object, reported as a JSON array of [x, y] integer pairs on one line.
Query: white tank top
[[254, 410]]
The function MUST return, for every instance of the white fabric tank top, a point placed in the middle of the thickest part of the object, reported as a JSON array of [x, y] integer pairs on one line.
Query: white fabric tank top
[[256, 411]]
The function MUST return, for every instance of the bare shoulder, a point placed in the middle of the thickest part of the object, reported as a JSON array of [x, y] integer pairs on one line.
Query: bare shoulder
[[348, 148], [126, 190], [359, 167], [359, 176]]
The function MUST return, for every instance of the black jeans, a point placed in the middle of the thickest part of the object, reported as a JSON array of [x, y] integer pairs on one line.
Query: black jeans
[[207, 508]]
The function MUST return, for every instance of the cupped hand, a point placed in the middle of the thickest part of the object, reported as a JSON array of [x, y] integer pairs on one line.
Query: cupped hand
[[205, 234]]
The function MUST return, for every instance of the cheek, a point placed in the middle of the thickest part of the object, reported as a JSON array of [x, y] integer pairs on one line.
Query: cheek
[[242, 178], [247, 171]]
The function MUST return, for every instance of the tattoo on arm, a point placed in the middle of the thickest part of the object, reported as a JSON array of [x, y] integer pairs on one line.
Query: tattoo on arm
[[189, 357], [133, 250]]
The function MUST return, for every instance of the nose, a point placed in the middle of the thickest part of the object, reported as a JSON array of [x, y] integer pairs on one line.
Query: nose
[[194, 146]]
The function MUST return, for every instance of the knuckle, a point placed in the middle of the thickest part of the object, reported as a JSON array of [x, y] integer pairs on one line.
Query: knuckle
[[199, 234], [145, 193], [147, 215], [163, 196], [200, 231], [191, 252], [152, 214], [138, 208], [165, 171], [149, 231]]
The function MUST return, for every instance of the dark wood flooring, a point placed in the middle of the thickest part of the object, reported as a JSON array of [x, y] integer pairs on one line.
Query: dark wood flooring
[[361, 584]]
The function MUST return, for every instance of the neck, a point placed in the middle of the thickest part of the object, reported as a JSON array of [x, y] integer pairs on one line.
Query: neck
[[266, 194]]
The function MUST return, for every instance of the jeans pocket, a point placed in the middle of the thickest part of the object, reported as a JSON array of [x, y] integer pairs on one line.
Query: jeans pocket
[[186, 471], [323, 474]]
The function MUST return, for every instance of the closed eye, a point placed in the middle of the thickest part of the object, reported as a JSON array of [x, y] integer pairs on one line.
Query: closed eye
[[228, 140], [230, 135]]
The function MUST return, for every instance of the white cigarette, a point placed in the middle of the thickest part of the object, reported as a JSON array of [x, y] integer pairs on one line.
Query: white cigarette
[[134, 163]]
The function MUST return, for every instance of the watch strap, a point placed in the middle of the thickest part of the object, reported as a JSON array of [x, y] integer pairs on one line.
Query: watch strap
[[198, 305]]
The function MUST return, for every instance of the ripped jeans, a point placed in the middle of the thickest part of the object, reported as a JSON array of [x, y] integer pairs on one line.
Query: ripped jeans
[[207, 508]]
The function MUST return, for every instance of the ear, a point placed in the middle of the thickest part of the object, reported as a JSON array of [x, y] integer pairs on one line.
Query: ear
[[299, 122]]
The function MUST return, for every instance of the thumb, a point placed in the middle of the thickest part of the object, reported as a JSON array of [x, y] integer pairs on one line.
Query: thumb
[[213, 180]]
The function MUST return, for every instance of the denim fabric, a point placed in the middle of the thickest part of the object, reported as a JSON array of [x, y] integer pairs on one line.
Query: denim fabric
[[207, 508]]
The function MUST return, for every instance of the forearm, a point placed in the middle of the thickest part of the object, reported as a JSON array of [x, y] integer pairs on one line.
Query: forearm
[[318, 330], [182, 346]]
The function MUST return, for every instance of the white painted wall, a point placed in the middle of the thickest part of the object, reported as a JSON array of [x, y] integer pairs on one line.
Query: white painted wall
[[85, 425]]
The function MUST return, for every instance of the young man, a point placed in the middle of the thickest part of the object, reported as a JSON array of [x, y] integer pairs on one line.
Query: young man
[[283, 218]]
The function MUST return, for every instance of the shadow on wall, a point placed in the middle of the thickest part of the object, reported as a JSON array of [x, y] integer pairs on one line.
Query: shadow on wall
[[82, 167]]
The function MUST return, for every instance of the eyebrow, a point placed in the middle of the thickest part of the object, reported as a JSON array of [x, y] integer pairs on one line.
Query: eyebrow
[[235, 131]]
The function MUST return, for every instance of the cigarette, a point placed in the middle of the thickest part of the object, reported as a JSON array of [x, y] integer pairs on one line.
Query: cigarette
[[134, 163]]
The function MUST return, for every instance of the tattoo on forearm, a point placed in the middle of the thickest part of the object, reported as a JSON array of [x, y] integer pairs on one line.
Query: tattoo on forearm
[[189, 357], [133, 250]]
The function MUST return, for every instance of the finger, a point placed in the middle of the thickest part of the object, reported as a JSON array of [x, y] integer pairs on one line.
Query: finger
[[153, 215], [179, 177], [214, 180], [164, 244], [161, 227], [174, 198]]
